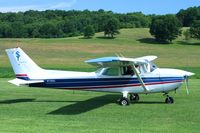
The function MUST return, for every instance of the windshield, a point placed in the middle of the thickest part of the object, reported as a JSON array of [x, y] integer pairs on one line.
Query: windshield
[[98, 71], [152, 66]]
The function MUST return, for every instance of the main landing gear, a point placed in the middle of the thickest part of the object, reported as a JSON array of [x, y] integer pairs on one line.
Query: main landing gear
[[134, 97], [124, 101], [169, 100]]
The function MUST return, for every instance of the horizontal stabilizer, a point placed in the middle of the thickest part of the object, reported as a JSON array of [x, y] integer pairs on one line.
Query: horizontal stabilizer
[[19, 82]]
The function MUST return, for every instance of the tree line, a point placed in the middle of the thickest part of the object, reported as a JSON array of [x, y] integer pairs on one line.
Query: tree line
[[60, 23]]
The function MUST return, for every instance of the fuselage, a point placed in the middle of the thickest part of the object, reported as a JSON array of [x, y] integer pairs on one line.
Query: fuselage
[[160, 80]]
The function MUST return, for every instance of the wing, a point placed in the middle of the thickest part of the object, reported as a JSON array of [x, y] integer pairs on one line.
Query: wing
[[119, 61]]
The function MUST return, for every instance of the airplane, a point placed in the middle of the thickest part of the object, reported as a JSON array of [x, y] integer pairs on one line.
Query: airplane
[[144, 76]]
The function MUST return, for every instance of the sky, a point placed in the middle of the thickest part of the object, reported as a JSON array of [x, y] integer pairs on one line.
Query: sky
[[117, 6]]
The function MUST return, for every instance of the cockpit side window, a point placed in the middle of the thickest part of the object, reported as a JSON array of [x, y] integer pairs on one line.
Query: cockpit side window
[[111, 72], [128, 70]]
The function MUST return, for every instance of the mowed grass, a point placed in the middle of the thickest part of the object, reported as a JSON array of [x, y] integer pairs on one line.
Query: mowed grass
[[24, 109], [30, 110], [70, 53]]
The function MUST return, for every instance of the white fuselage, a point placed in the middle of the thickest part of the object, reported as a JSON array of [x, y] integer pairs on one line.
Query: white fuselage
[[160, 80], [114, 75]]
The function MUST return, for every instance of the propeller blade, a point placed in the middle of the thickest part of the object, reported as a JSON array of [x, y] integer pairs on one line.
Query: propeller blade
[[186, 83]]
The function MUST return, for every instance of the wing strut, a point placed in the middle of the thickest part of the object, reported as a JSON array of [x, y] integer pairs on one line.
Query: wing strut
[[140, 79]]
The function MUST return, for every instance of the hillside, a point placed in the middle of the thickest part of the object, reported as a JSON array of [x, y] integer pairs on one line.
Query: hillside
[[70, 53]]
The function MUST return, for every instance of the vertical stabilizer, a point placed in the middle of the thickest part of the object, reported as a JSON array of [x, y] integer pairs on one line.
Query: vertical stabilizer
[[22, 64]]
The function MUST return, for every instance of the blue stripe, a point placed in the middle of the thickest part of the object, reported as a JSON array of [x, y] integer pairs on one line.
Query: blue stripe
[[24, 78], [61, 83]]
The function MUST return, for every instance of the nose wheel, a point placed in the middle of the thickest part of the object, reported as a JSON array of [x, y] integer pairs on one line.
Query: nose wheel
[[169, 100]]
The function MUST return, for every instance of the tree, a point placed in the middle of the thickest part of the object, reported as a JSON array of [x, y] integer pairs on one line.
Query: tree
[[5, 30], [188, 16], [49, 30], [165, 28], [18, 30], [195, 29], [111, 27], [69, 27], [89, 31]]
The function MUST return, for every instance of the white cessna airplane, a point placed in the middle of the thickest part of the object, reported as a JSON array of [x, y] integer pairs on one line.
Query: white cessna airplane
[[115, 74]]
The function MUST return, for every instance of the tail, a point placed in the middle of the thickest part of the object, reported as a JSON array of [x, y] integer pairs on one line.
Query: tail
[[22, 64]]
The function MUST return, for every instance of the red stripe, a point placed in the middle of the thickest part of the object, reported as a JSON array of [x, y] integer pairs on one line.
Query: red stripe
[[21, 75], [115, 86]]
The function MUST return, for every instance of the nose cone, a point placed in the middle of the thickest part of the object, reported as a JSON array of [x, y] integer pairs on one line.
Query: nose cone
[[184, 73], [188, 73]]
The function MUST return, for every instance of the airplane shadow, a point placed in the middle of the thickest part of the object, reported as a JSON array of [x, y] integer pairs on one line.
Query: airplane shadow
[[13, 101], [79, 107], [85, 106]]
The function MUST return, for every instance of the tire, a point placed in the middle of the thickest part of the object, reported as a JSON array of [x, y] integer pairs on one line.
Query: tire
[[134, 97], [169, 100], [124, 101]]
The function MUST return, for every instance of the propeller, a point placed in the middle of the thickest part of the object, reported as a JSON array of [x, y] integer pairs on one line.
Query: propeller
[[186, 84], [187, 75]]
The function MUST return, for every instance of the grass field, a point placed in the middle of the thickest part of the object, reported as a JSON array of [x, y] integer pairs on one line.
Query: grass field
[[31, 110]]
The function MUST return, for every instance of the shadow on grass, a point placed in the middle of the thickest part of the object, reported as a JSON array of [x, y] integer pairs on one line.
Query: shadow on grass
[[79, 107], [148, 102], [151, 41], [104, 37], [13, 101], [85, 106], [188, 43], [86, 38]]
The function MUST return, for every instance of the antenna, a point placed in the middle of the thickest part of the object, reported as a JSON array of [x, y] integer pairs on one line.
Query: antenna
[[117, 55], [121, 55]]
